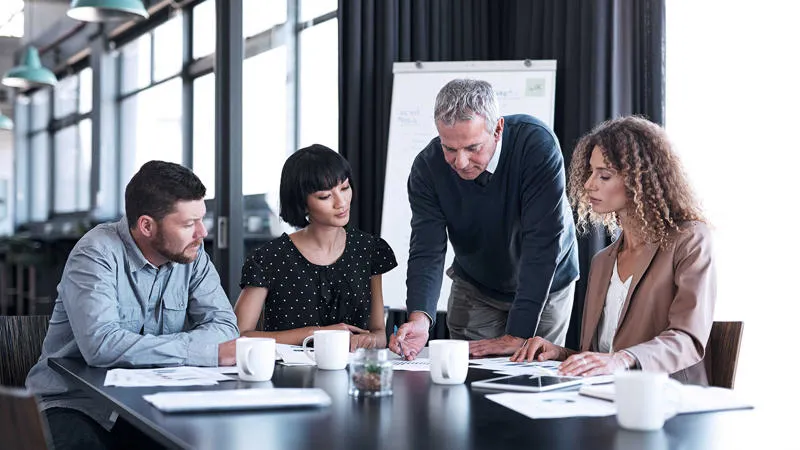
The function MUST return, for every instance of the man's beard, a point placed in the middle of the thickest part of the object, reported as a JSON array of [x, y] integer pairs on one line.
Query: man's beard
[[160, 245]]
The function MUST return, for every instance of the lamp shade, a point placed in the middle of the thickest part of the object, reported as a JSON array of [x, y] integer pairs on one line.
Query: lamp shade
[[6, 123], [30, 73], [107, 10]]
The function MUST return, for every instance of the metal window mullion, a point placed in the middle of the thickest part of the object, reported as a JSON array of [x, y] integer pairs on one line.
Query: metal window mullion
[[152, 57], [51, 156], [119, 67], [77, 140], [292, 63], [188, 91], [228, 201]]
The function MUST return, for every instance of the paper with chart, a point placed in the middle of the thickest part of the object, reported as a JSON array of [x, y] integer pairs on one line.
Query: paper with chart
[[503, 365], [522, 87], [165, 376], [417, 365], [552, 405]]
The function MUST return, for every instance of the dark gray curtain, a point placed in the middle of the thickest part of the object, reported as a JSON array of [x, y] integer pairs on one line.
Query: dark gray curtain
[[610, 56]]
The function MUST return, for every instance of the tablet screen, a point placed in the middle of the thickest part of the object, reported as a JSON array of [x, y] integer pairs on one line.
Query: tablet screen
[[539, 382]]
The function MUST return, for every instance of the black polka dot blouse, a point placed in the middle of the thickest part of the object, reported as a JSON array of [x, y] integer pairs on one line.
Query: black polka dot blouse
[[301, 294]]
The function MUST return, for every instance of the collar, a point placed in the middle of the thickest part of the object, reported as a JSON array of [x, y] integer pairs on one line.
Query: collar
[[496, 157], [132, 251]]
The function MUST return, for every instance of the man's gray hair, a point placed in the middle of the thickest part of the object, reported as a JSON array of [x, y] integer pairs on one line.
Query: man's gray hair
[[463, 99]]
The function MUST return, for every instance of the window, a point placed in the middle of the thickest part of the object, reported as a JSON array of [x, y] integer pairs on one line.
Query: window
[[65, 97], [203, 156], [12, 18], [260, 15], [264, 123], [73, 158], [85, 91], [310, 9], [151, 128], [319, 94], [151, 99], [136, 64], [40, 176], [168, 49], [731, 102], [204, 24]]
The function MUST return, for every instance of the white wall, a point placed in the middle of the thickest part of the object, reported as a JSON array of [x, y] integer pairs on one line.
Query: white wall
[[732, 110]]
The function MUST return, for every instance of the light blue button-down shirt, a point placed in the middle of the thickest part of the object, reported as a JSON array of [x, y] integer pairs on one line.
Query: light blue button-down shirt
[[115, 309]]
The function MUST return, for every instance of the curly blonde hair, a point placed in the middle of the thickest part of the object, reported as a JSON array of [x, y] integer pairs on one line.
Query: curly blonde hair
[[658, 192]]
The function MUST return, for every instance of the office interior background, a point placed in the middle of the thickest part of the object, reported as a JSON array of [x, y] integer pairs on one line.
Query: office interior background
[[180, 86]]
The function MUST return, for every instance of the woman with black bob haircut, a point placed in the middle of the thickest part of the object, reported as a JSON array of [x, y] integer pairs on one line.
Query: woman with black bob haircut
[[326, 275]]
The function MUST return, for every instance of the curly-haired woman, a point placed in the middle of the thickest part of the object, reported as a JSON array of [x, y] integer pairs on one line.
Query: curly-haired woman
[[650, 296]]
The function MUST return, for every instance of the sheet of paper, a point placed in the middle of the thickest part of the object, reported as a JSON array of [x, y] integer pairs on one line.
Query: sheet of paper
[[164, 376], [293, 355], [551, 405], [417, 365], [693, 398], [503, 365], [224, 370]]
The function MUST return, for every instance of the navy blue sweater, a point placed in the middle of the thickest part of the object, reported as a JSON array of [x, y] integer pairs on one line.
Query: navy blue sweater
[[514, 239]]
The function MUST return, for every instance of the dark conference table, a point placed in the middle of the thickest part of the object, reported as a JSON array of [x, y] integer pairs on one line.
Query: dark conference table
[[420, 415]]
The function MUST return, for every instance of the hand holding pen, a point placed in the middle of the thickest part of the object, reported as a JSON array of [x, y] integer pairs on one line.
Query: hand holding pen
[[408, 340]]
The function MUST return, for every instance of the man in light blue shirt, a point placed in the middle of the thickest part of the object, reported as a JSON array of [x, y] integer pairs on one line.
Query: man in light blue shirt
[[138, 292]]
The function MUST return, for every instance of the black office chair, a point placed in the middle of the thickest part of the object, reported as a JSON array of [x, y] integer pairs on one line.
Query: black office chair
[[21, 340]]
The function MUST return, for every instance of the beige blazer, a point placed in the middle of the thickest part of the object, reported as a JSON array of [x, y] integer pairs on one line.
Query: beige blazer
[[666, 318]]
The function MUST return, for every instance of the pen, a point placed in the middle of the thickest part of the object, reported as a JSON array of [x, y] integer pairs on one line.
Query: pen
[[402, 353]]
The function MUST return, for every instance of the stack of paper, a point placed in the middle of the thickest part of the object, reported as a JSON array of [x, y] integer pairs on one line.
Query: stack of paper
[[165, 376]]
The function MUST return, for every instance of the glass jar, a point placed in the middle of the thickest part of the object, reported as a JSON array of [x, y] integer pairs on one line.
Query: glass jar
[[371, 373]]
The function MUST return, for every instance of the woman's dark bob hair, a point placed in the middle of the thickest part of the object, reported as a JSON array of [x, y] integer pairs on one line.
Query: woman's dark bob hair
[[308, 170]]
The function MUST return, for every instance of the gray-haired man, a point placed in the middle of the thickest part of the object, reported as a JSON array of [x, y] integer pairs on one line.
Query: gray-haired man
[[495, 186]]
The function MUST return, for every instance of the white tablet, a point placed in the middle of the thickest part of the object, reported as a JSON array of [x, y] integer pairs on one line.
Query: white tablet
[[528, 383]]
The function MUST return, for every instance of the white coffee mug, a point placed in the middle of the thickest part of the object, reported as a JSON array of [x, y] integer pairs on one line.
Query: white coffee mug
[[449, 361], [331, 348], [255, 358], [645, 399]]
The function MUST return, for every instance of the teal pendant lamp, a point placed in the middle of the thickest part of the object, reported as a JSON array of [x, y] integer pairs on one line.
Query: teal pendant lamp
[[5, 122], [30, 73], [107, 10]]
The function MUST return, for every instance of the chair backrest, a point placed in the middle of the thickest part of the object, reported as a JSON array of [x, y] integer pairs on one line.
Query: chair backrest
[[21, 340], [722, 353], [21, 424]]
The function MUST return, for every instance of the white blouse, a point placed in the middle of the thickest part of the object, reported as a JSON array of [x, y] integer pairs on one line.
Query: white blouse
[[615, 298]]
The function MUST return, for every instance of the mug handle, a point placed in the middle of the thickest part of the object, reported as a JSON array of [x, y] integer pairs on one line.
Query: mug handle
[[246, 362], [305, 348], [447, 363], [674, 387]]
